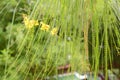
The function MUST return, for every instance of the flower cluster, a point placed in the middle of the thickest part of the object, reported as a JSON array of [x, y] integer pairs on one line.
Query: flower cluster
[[29, 23], [44, 27]]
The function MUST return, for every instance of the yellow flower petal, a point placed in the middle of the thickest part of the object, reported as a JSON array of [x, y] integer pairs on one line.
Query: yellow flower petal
[[44, 26], [36, 23], [54, 31]]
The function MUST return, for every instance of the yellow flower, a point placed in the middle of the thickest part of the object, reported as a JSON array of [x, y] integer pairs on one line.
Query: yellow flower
[[44, 26], [25, 17], [36, 23], [29, 23], [54, 31]]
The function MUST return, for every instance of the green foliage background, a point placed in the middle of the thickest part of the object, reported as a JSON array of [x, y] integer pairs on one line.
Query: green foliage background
[[85, 27]]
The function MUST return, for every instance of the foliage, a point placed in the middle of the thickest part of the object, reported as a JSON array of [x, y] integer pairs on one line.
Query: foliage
[[38, 36]]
